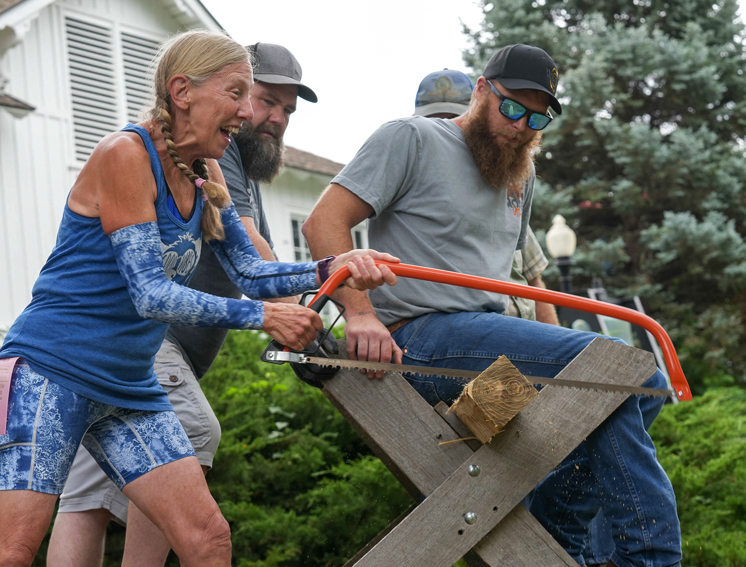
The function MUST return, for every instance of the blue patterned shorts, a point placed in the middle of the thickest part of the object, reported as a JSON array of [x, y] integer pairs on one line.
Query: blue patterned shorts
[[47, 422]]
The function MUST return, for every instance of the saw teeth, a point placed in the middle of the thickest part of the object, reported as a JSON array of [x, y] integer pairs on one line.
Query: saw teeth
[[542, 386], [446, 376], [469, 375]]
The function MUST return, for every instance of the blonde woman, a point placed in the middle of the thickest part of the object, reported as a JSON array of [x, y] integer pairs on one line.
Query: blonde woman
[[82, 352]]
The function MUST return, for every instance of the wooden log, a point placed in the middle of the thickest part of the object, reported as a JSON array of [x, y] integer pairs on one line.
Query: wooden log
[[493, 398]]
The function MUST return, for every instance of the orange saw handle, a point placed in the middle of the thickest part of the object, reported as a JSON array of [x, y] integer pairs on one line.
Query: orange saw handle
[[678, 380]]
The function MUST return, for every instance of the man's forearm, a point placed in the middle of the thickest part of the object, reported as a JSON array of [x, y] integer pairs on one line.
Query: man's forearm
[[327, 231], [545, 312], [261, 245], [265, 251], [333, 240]]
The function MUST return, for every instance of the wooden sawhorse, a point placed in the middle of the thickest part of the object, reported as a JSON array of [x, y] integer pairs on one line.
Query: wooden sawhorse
[[404, 431]]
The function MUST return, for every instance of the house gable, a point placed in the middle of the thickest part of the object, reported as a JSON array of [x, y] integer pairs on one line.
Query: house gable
[[8, 4], [306, 161]]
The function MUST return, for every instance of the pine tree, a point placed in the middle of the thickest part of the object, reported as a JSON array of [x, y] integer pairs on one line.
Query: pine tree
[[647, 159]]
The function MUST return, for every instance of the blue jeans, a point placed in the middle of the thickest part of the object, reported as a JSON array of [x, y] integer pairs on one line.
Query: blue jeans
[[614, 469], [599, 546]]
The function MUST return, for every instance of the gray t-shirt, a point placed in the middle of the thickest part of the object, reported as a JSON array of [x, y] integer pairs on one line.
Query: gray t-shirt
[[200, 345], [432, 208]]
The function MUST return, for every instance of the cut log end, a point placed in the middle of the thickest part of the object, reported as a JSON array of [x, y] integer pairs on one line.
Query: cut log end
[[493, 398]]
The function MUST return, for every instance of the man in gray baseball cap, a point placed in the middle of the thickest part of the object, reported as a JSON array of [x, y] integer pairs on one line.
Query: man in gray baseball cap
[[274, 64], [257, 150], [255, 154]]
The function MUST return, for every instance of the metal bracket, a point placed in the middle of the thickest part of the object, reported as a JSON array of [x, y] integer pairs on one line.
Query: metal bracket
[[279, 356]]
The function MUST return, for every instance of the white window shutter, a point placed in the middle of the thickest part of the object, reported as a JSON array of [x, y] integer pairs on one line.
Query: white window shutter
[[90, 50], [137, 55]]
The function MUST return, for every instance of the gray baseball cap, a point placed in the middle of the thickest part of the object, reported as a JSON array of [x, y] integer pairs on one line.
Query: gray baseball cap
[[275, 64], [443, 91]]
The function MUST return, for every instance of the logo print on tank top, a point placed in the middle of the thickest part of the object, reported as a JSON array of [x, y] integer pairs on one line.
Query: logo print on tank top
[[181, 257]]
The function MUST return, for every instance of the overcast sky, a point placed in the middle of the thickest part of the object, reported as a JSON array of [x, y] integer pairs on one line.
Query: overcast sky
[[363, 58]]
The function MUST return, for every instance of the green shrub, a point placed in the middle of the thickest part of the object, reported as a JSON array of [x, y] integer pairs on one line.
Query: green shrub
[[702, 446]]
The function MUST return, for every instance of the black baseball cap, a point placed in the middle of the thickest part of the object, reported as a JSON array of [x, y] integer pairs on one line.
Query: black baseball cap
[[275, 64], [519, 67]]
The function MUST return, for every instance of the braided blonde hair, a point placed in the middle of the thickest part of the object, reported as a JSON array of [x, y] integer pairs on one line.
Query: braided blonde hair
[[197, 54]]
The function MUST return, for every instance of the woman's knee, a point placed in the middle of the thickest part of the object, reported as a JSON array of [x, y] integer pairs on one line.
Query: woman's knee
[[24, 520], [17, 553], [218, 533], [209, 540]]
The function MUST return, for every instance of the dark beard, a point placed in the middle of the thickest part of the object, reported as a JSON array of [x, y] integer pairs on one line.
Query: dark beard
[[500, 165], [261, 157]]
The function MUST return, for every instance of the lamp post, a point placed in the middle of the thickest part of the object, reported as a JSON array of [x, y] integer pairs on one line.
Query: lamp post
[[561, 242]]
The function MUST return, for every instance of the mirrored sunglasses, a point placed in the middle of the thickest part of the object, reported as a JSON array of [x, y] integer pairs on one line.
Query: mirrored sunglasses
[[515, 111]]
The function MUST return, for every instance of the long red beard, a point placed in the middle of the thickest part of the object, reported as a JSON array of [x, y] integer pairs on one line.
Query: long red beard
[[501, 165]]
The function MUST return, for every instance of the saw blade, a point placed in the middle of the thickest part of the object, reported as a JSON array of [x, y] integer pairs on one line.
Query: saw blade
[[471, 374]]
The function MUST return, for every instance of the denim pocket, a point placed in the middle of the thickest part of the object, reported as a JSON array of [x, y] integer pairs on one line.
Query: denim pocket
[[425, 387], [407, 336]]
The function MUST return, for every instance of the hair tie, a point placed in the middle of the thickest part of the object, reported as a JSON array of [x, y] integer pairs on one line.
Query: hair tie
[[199, 184]]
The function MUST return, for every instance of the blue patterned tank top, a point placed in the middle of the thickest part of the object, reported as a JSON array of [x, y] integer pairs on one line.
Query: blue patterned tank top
[[81, 329]]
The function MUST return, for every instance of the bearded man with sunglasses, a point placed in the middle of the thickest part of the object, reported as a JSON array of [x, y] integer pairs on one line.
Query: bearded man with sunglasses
[[456, 195]]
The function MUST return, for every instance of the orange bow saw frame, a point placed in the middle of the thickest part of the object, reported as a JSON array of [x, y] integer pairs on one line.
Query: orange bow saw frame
[[676, 374]]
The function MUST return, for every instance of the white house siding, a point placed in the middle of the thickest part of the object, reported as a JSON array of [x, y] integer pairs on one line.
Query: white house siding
[[293, 192], [37, 157], [34, 155]]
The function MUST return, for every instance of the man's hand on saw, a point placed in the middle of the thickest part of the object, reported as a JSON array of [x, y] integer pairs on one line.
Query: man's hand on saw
[[368, 339]]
